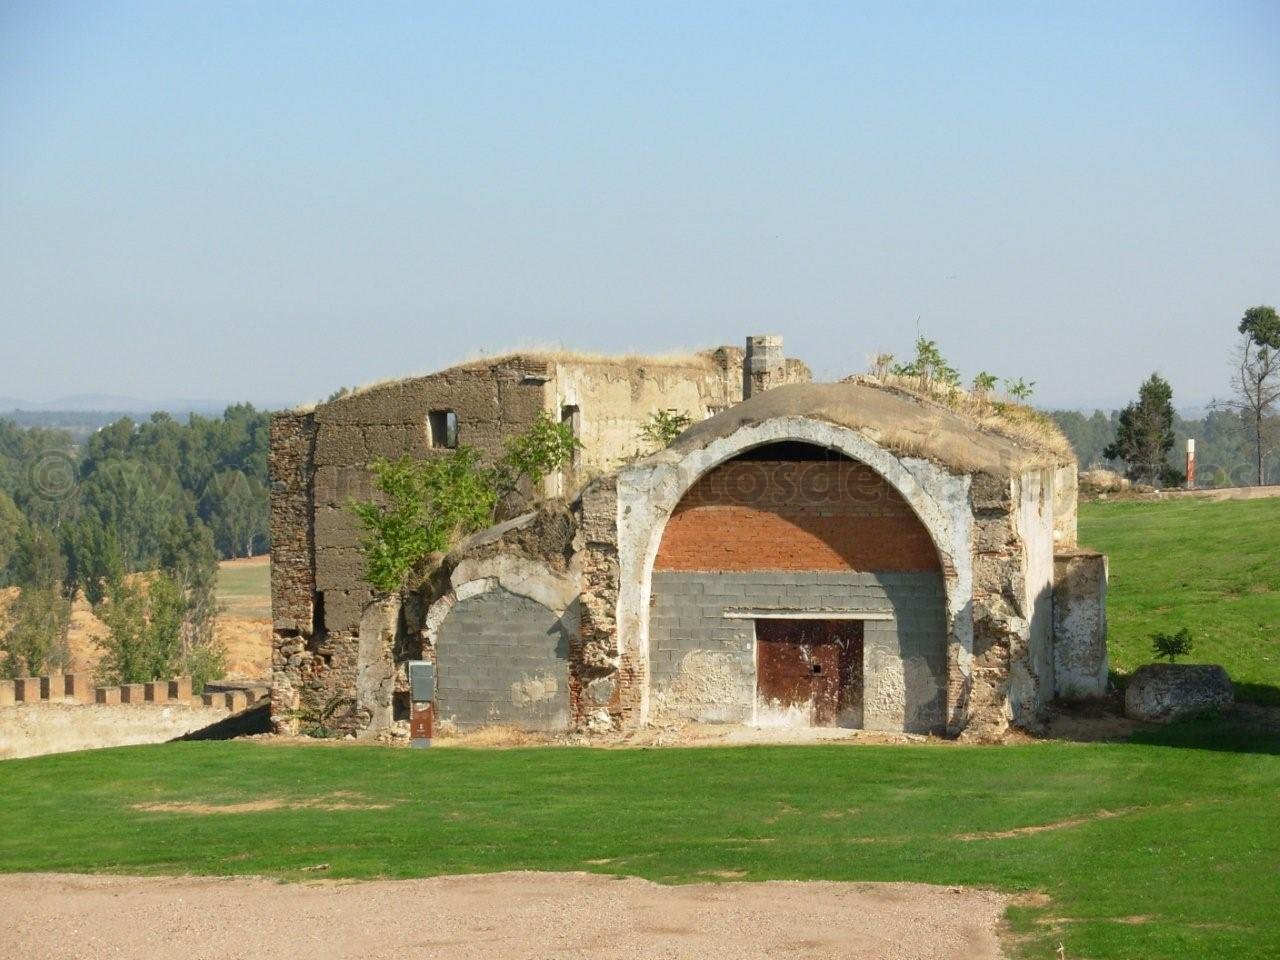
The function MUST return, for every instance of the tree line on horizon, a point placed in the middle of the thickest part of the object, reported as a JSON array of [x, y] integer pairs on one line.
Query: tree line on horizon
[[1237, 442], [135, 519]]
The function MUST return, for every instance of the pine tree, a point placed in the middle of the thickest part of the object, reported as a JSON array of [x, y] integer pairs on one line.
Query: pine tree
[[1144, 435]]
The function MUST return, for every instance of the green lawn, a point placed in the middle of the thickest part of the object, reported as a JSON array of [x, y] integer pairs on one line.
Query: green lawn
[[244, 588], [1165, 848], [1211, 567]]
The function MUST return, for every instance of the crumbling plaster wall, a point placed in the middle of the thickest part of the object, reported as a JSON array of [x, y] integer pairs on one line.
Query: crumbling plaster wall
[[1080, 624], [1066, 493], [1012, 676], [1031, 676], [648, 492], [615, 400]]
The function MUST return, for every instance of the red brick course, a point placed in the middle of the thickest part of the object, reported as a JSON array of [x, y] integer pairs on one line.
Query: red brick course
[[795, 515]]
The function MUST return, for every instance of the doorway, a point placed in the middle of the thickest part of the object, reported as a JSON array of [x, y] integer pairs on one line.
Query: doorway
[[809, 672]]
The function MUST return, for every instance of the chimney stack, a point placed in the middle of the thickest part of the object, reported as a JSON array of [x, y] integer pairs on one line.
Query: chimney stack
[[764, 366]]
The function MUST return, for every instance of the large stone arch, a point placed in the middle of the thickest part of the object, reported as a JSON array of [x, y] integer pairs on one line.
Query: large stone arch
[[649, 492]]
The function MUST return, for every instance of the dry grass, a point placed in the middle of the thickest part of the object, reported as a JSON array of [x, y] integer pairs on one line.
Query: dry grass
[[1007, 418], [243, 624]]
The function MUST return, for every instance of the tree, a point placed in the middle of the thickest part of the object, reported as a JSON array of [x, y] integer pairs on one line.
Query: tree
[[37, 559], [1256, 378], [93, 557], [150, 633], [37, 636], [1144, 435], [426, 505], [11, 524], [238, 511]]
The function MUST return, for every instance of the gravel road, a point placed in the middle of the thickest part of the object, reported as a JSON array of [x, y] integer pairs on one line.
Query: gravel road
[[503, 916]]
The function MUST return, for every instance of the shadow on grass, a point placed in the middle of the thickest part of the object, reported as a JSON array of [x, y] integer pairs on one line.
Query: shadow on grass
[[1257, 693], [1229, 732]]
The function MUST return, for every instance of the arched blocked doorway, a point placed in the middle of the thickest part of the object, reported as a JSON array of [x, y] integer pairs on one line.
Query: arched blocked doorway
[[920, 687]]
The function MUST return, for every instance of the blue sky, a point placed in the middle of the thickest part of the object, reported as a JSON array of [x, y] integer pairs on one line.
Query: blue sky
[[267, 201]]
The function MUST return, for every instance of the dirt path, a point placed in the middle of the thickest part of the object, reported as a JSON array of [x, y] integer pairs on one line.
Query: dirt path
[[497, 917]]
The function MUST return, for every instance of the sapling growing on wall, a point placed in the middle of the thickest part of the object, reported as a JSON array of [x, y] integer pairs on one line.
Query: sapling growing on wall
[[663, 426], [983, 383], [1020, 389], [1170, 646], [427, 505], [929, 366]]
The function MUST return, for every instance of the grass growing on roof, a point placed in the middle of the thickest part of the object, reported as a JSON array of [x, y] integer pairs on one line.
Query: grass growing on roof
[[1163, 849], [1213, 567]]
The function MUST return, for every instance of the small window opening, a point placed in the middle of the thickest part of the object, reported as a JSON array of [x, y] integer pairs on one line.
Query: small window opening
[[317, 613], [817, 668], [442, 425], [572, 415]]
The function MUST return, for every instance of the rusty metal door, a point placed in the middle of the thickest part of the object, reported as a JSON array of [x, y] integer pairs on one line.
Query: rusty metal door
[[812, 665]]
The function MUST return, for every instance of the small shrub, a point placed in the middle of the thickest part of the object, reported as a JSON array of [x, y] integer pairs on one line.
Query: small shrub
[[663, 426], [427, 503], [1170, 646], [317, 719]]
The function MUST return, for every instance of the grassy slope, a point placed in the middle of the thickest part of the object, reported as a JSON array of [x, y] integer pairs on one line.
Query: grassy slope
[[244, 587], [1211, 567], [1194, 853]]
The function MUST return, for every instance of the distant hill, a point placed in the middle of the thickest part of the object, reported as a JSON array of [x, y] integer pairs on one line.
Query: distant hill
[[107, 403]]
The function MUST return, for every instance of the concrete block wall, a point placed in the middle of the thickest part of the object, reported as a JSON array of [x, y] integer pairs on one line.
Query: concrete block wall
[[503, 659], [702, 664]]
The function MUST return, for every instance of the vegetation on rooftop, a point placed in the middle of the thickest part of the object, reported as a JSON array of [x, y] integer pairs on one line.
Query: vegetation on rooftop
[[929, 377]]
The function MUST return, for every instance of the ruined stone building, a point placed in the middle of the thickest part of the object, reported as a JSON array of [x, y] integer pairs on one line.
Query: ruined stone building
[[845, 554]]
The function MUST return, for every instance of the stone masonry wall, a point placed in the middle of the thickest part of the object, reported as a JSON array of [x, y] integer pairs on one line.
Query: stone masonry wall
[[795, 515], [293, 594], [607, 687], [491, 403], [292, 580], [702, 664]]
